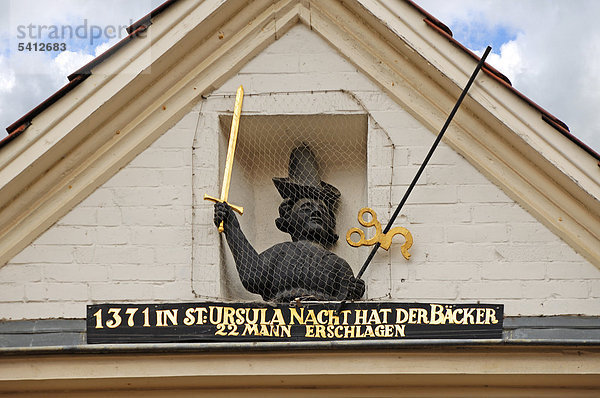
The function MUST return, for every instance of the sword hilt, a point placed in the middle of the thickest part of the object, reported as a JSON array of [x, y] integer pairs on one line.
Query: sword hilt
[[238, 209]]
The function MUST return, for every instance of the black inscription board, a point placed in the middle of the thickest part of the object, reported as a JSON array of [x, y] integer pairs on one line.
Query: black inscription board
[[222, 322]]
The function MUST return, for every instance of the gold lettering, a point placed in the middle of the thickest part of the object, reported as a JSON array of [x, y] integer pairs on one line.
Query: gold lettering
[[385, 312], [455, 317], [401, 315], [311, 318], [422, 316], [320, 316], [277, 317], [228, 314], [346, 313], [116, 321], [164, 316], [189, 317], [374, 318], [361, 317], [146, 313], [264, 330], [338, 334], [310, 331], [380, 331], [330, 331], [216, 314], [412, 313], [490, 316], [400, 330], [294, 316], [287, 330], [389, 330], [131, 312], [437, 315], [468, 318], [320, 331], [98, 316], [333, 319], [449, 315], [480, 315], [349, 331], [239, 316], [251, 329]]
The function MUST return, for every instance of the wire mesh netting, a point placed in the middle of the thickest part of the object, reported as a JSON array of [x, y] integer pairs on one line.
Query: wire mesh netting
[[300, 173]]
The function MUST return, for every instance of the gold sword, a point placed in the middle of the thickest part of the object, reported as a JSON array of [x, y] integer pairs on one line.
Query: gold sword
[[235, 122]]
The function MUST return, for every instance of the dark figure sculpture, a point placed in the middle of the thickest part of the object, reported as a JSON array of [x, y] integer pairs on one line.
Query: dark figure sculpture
[[303, 268]]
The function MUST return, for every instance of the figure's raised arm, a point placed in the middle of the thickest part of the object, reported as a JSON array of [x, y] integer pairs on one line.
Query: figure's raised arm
[[247, 261]]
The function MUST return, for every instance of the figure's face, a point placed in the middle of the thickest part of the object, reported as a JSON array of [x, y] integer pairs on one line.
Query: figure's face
[[311, 220]]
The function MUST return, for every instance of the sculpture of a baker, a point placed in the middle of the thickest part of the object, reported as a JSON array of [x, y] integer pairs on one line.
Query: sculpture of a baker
[[303, 268]]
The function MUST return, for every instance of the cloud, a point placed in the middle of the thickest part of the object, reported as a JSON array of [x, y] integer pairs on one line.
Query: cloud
[[554, 58], [29, 77]]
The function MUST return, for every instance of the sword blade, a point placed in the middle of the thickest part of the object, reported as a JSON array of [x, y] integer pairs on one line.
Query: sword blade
[[235, 122]]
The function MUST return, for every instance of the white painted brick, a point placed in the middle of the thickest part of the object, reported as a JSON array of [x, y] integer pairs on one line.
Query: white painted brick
[[513, 271], [187, 123], [490, 290], [36, 292], [101, 197], [531, 232], [143, 273], [485, 193], [435, 194], [66, 291], [453, 175], [443, 155], [179, 138], [66, 235], [112, 236], [405, 175], [595, 288], [571, 306], [459, 252], [329, 62], [173, 291], [162, 236], [297, 41], [535, 252], [446, 272], [438, 213], [84, 254], [556, 289], [10, 292], [20, 273], [75, 273], [124, 255], [141, 177], [44, 254], [477, 233], [500, 213], [380, 176], [80, 216], [46, 310], [422, 233], [424, 290], [571, 270], [273, 63], [378, 289], [121, 291], [175, 255], [109, 216]]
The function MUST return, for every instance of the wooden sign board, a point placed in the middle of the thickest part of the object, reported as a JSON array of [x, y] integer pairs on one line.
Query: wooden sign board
[[236, 322]]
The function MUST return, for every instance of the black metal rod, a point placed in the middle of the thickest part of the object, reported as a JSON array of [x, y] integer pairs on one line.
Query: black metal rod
[[424, 164]]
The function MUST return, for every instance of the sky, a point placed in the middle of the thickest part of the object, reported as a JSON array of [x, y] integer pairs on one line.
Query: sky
[[549, 49]]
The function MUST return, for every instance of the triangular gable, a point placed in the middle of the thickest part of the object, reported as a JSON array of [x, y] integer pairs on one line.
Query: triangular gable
[[131, 98]]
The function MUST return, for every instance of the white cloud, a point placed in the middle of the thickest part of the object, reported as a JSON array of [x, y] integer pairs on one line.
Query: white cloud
[[555, 58]]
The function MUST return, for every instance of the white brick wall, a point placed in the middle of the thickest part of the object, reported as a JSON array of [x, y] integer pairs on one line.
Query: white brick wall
[[131, 240]]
